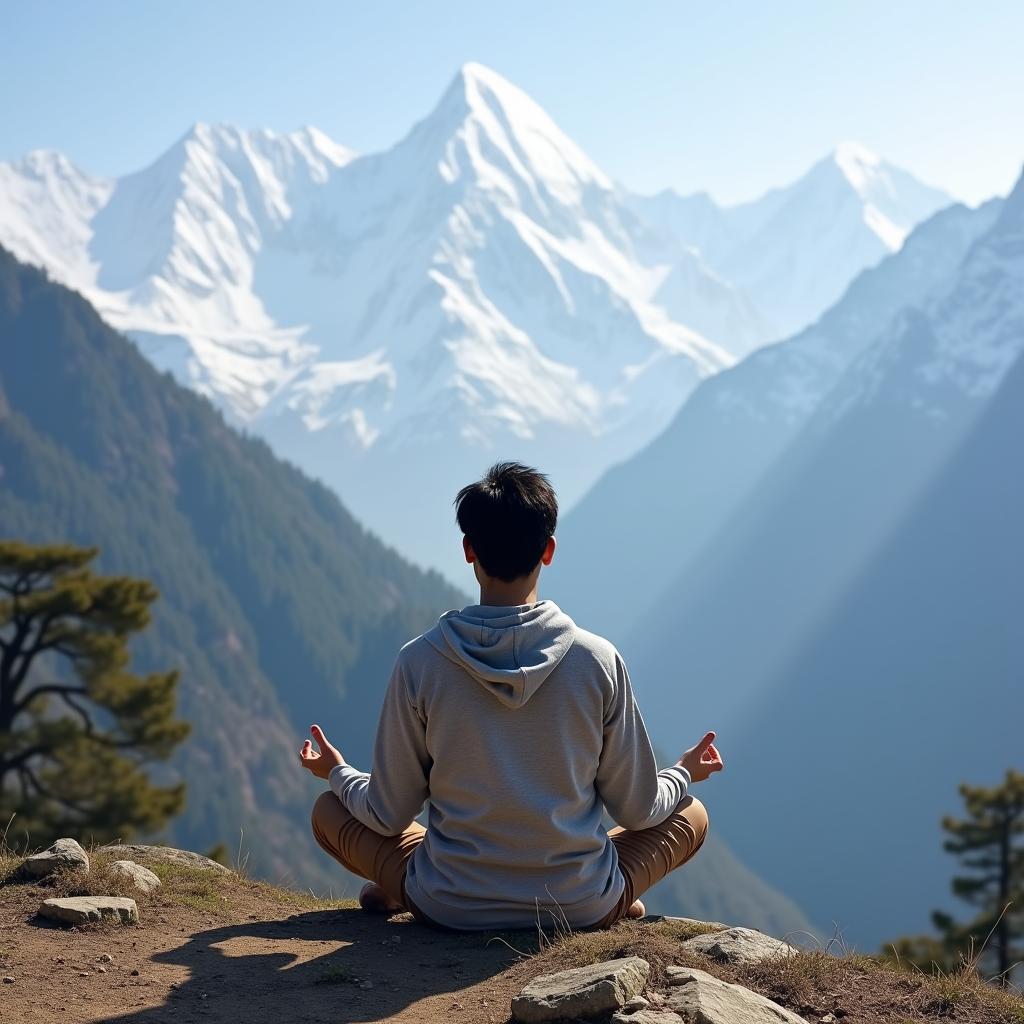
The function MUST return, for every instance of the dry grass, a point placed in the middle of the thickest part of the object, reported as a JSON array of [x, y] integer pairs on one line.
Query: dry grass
[[212, 892], [656, 942], [856, 989]]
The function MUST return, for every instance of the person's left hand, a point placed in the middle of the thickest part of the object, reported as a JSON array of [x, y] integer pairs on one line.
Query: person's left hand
[[320, 763]]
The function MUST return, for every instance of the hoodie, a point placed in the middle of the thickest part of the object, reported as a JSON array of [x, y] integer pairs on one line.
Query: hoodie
[[517, 728]]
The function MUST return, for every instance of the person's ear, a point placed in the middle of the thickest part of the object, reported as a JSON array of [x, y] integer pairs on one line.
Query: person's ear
[[549, 551], [468, 549]]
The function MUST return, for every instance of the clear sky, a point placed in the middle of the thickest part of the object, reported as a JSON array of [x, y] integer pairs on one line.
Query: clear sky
[[731, 97]]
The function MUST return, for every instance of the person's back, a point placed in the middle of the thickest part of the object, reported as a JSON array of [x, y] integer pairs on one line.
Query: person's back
[[517, 728]]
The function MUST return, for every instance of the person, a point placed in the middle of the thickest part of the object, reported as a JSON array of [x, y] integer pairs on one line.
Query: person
[[517, 728]]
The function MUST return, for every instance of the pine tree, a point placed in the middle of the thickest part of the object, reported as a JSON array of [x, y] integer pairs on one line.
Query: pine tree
[[77, 727], [990, 844]]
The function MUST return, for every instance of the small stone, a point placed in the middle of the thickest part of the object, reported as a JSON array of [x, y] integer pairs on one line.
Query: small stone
[[634, 1004], [63, 855], [79, 910], [581, 991], [141, 878], [828, 1018], [366, 984], [134, 972], [101, 969], [8, 979], [105, 958], [699, 996], [738, 946], [83, 974]]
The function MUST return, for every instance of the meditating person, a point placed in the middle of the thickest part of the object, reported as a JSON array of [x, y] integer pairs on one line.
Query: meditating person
[[517, 728]]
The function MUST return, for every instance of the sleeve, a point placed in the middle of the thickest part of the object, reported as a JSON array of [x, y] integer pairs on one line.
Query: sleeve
[[388, 798], [632, 789]]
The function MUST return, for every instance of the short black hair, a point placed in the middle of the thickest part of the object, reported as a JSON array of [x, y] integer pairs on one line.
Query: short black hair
[[508, 517]]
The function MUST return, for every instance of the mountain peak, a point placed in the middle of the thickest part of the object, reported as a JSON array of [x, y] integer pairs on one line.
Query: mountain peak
[[858, 164], [494, 122]]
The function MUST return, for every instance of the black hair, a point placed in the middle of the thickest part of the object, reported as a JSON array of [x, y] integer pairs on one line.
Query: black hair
[[508, 517]]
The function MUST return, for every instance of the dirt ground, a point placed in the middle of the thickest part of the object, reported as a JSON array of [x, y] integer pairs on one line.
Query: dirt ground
[[263, 962]]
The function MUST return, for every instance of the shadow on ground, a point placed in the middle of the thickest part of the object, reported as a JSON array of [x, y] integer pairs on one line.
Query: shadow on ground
[[339, 966]]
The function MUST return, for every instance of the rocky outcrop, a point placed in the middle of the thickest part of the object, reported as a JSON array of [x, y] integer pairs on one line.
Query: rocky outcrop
[[738, 946], [701, 998], [165, 854], [63, 855], [585, 992]]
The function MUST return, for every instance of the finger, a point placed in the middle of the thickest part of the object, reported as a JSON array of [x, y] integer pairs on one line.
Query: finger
[[706, 741], [318, 735]]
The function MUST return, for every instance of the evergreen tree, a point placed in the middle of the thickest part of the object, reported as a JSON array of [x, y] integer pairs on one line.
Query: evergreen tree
[[990, 843], [77, 727]]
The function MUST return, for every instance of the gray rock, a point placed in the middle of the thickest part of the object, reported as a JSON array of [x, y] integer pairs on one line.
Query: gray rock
[[739, 946], [582, 991], [700, 998], [89, 909], [634, 1004], [647, 1017], [142, 878], [63, 855], [166, 855]]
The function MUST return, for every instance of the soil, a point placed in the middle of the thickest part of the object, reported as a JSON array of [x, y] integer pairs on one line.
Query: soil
[[263, 962]]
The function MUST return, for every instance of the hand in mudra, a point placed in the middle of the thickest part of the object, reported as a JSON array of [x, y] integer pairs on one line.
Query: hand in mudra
[[320, 762], [703, 760]]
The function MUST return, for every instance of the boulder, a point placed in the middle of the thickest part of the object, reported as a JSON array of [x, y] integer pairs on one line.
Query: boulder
[[581, 991], [142, 878], [700, 998], [165, 855], [738, 946], [78, 910], [63, 855]]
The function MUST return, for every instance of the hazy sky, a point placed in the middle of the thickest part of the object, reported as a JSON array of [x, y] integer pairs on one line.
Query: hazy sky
[[731, 97]]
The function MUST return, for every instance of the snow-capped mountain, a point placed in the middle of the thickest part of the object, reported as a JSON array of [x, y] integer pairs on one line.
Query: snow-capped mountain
[[794, 250], [393, 322], [708, 464]]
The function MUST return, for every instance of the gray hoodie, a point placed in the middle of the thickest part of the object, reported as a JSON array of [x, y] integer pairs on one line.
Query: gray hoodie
[[516, 726]]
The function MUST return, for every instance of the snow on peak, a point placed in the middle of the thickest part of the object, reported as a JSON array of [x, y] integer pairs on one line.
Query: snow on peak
[[489, 127], [858, 164]]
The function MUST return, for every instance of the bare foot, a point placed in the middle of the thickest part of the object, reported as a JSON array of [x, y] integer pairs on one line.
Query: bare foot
[[637, 910], [374, 899]]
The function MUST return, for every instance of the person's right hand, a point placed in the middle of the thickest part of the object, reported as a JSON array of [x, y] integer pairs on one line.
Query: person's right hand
[[702, 760]]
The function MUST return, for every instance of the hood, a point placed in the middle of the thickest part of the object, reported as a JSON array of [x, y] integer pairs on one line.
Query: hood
[[508, 649]]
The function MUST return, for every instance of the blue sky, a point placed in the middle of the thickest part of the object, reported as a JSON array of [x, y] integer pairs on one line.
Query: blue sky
[[732, 97]]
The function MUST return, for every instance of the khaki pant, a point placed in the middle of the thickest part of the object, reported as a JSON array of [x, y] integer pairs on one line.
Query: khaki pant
[[645, 856]]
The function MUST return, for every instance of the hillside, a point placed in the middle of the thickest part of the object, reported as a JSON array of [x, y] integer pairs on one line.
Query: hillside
[[276, 604], [207, 943], [681, 490]]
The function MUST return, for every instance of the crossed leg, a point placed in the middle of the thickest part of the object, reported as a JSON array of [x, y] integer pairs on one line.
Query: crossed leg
[[645, 855]]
